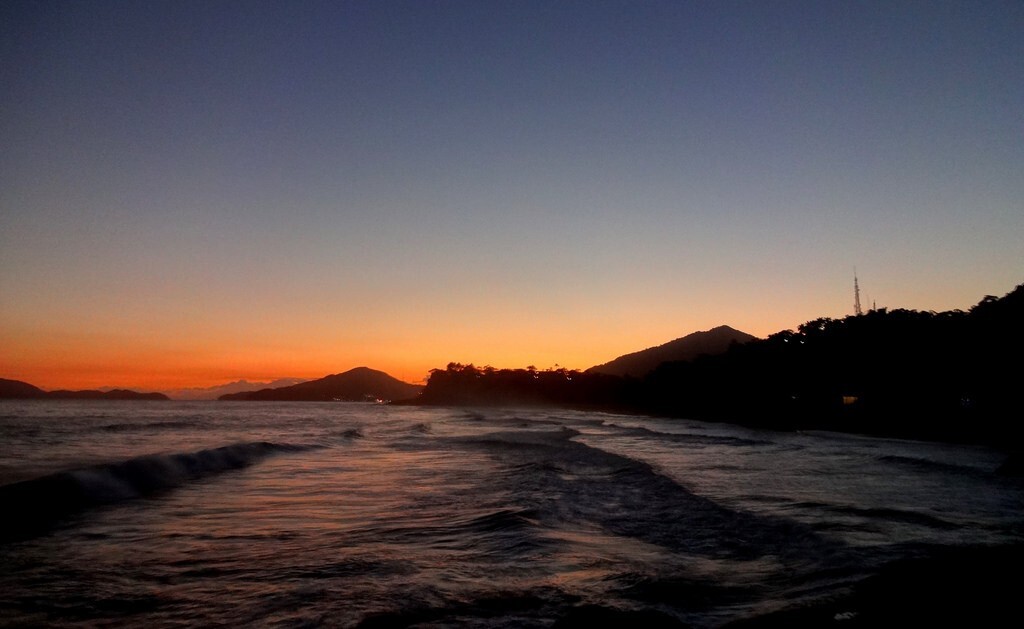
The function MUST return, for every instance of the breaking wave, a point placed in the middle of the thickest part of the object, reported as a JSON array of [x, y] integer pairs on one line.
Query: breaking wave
[[42, 502]]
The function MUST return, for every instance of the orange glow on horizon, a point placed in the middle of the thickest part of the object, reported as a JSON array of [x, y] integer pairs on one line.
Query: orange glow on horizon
[[143, 354], [80, 363]]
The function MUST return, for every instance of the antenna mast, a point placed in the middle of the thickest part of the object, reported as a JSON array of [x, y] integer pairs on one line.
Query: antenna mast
[[856, 296]]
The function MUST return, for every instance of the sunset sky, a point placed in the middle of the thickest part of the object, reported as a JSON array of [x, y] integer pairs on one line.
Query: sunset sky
[[196, 192]]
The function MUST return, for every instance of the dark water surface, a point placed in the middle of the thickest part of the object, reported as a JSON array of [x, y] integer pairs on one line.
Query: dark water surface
[[308, 514]]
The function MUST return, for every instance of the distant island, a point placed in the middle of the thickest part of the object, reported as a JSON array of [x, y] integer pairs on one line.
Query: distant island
[[361, 384], [933, 375], [16, 389]]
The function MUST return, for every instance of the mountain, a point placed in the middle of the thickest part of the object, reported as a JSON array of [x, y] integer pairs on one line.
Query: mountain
[[903, 373], [238, 386], [12, 389], [356, 385], [15, 389], [639, 364]]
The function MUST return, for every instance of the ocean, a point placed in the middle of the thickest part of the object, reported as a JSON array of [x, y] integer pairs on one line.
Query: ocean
[[162, 514]]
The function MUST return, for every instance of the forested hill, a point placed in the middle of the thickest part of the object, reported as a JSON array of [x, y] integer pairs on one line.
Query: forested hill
[[938, 375], [901, 372]]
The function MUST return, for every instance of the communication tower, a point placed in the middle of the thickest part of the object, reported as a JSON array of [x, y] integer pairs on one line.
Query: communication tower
[[856, 296]]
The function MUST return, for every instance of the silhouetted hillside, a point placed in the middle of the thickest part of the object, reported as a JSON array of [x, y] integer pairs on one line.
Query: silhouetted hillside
[[16, 389], [639, 364], [356, 385], [933, 375], [945, 375], [11, 389]]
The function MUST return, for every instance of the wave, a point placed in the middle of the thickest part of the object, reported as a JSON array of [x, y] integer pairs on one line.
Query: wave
[[42, 502], [888, 514], [566, 481], [689, 438], [929, 464], [146, 427], [521, 438], [497, 417], [905, 516], [352, 433], [503, 520], [506, 534]]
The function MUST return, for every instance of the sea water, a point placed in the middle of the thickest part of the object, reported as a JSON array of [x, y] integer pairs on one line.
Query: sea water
[[340, 514]]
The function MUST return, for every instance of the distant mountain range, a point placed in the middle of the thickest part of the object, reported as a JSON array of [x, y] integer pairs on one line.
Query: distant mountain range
[[355, 385], [639, 364], [16, 389], [238, 386]]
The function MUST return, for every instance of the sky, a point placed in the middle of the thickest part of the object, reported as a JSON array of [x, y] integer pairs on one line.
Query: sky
[[197, 192]]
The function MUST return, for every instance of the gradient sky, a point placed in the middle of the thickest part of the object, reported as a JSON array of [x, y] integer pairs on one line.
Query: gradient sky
[[194, 192]]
